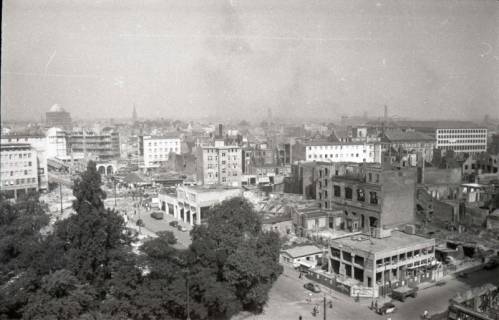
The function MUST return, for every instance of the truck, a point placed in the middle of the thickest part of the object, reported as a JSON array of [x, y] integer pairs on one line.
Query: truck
[[403, 292]]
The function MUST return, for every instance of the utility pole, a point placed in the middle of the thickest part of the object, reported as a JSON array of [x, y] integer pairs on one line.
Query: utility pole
[[60, 195], [188, 306], [324, 306]]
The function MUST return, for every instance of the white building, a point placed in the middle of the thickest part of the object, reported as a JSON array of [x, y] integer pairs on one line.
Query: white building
[[39, 144], [462, 140], [57, 143], [18, 169], [308, 256], [220, 164], [191, 204], [343, 152], [156, 150]]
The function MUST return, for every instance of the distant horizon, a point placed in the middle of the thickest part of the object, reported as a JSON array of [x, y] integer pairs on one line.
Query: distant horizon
[[235, 59]]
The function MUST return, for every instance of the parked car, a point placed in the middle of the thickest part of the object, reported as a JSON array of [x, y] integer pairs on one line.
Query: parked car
[[386, 308], [174, 223], [181, 228], [141, 223], [312, 287], [491, 264], [158, 215], [404, 292]]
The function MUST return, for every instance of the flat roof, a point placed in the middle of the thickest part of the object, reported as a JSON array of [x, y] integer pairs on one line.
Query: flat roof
[[406, 136], [302, 251], [336, 143], [397, 240], [211, 188], [15, 146]]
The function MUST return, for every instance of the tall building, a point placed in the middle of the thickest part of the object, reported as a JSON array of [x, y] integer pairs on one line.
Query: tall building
[[370, 196], [18, 169], [220, 164], [469, 139], [58, 117], [39, 144], [343, 152], [155, 150], [57, 143], [104, 145]]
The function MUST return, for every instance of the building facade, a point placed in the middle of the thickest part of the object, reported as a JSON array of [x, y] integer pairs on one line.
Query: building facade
[[156, 150], [104, 146], [220, 164], [370, 196], [19, 170], [397, 257], [57, 143], [191, 204], [343, 152], [39, 144], [462, 140]]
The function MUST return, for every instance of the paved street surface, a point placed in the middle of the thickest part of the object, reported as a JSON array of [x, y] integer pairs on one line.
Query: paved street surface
[[288, 300], [126, 206]]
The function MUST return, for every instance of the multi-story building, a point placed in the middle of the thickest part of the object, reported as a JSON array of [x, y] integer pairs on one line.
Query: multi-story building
[[57, 143], [58, 117], [104, 145], [19, 170], [39, 144], [370, 196], [396, 258], [156, 149], [220, 164], [191, 204], [459, 136], [470, 140], [343, 152]]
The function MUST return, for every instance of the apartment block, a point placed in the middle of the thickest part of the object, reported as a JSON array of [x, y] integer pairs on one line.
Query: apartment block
[[156, 150], [220, 164], [18, 169]]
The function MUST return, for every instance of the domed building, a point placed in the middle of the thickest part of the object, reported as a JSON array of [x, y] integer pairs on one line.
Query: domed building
[[58, 117]]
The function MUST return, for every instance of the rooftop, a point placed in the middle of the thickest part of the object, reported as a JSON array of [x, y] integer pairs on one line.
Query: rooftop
[[397, 240], [439, 124], [336, 143], [15, 146], [397, 135], [162, 137], [302, 251], [56, 108], [211, 188]]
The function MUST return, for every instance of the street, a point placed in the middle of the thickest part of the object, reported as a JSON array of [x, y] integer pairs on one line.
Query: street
[[126, 206], [288, 299]]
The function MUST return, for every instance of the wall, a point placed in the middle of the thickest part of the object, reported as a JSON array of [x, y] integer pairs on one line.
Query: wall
[[442, 176], [398, 197]]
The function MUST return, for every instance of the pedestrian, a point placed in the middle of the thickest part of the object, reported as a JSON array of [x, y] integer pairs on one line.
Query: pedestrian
[[376, 305], [425, 314], [330, 304], [299, 277], [300, 317]]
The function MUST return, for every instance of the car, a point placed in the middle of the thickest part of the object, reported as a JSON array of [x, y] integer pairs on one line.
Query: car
[[181, 228], [403, 292], [141, 223], [386, 308], [158, 215], [492, 264], [312, 287], [174, 224]]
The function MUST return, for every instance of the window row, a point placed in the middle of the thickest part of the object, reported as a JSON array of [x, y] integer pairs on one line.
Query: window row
[[348, 193]]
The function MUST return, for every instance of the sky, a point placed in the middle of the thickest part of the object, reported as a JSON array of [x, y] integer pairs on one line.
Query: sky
[[188, 59]]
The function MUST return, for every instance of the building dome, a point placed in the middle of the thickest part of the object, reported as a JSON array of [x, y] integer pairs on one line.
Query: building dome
[[56, 108]]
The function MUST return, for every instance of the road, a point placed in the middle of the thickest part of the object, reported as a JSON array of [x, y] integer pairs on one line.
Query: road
[[288, 300], [126, 206]]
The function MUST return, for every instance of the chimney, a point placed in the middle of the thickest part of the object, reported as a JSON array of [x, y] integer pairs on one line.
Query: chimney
[[220, 130]]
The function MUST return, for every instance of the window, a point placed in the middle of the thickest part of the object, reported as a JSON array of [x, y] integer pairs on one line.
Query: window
[[337, 191], [373, 197], [348, 193], [360, 195]]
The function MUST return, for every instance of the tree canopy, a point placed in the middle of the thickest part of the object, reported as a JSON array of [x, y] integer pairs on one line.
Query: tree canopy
[[85, 268]]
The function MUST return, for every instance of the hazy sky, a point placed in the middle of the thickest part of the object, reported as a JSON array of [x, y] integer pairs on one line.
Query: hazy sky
[[302, 58]]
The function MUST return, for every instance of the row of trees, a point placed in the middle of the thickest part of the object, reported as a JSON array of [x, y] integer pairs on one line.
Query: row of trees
[[84, 268]]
